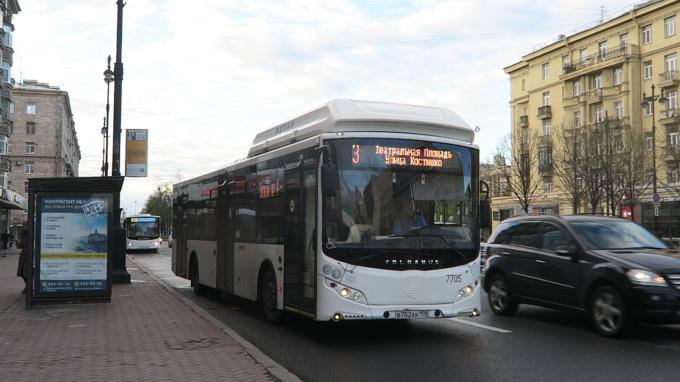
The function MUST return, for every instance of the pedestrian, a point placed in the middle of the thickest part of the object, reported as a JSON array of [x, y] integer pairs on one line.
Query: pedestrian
[[23, 255], [5, 240]]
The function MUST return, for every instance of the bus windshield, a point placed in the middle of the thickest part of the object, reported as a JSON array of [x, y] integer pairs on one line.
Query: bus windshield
[[143, 228], [402, 199]]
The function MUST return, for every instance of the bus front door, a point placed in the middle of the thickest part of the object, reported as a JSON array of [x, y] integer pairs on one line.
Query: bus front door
[[300, 231]]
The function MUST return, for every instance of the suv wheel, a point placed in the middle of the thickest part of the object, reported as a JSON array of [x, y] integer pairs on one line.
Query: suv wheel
[[500, 298], [608, 312]]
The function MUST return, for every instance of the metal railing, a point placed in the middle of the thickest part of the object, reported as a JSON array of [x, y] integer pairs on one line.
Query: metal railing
[[670, 75], [603, 56], [544, 110], [524, 120]]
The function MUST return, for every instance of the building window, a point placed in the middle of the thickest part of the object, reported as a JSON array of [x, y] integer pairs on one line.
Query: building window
[[577, 119], [618, 109], [647, 66], [26, 188], [3, 145], [583, 56], [671, 62], [547, 185], [577, 88], [672, 97], [597, 81], [523, 87], [546, 71], [646, 34], [674, 176], [30, 108], [546, 127], [28, 168], [30, 128], [673, 139], [599, 114], [602, 50], [6, 71], [649, 141], [7, 38], [618, 76], [546, 99], [11, 107], [30, 148], [669, 26], [623, 40], [566, 62]]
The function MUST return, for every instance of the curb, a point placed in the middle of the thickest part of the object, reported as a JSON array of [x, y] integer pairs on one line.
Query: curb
[[275, 369]]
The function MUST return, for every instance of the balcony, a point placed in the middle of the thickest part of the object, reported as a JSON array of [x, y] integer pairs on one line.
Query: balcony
[[593, 96], [5, 128], [669, 117], [544, 112], [523, 121], [600, 61], [669, 78], [545, 167], [545, 141]]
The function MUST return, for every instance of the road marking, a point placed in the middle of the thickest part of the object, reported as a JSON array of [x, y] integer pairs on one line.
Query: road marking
[[478, 325]]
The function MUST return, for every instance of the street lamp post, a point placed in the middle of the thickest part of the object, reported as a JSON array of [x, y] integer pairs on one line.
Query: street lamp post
[[108, 78], [105, 149], [649, 102], [120, 274]]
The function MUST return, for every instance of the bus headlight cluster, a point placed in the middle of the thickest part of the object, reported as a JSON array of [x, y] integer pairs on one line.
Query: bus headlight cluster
[[346, 292], [466, 291]]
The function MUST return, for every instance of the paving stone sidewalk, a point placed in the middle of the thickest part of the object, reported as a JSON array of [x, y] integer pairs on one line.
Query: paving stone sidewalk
[[144, 334]]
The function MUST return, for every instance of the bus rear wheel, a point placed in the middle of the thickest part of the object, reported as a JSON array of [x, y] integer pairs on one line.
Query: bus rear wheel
[[193, 270], [268, 297]]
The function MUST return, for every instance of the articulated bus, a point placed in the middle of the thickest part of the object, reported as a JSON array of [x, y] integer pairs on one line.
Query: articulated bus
[[355, 210], [142, 233]]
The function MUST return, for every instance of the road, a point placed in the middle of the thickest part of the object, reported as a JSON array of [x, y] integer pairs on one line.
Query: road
[[535, 344]]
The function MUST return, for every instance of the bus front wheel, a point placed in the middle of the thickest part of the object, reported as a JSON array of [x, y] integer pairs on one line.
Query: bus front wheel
[[268, 297]]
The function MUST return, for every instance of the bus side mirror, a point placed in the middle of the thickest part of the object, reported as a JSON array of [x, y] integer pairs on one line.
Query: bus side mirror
[[484, 206], [330, 183]]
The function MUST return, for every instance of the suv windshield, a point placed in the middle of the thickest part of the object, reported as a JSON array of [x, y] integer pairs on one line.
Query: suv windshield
[[402, 198], [615, 234]]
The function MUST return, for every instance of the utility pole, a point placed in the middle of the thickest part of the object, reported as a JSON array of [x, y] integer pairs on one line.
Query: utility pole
[[120, 273]]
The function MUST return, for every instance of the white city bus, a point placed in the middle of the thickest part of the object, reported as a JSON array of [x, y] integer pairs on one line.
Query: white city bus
[[142, 233], [355, 210]]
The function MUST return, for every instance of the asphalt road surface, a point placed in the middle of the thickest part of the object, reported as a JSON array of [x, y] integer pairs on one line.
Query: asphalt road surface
[[535, 344]]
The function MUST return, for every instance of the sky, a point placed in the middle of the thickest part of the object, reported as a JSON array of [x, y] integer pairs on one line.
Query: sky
[[204, 76]]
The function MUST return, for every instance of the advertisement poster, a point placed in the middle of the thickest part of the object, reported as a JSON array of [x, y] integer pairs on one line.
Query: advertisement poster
[[136, 152], [73, 244]]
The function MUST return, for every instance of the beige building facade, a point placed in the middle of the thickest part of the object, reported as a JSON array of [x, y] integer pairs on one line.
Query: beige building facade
[[602, 72], [45, 142]]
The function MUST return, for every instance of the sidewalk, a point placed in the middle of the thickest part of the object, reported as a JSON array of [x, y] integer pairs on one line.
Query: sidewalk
[[145, 334]]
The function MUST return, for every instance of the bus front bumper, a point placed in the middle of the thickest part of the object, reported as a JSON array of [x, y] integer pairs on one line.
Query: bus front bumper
[[331, 307]]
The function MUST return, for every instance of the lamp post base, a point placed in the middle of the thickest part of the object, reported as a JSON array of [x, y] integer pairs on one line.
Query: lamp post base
[[119, 274]]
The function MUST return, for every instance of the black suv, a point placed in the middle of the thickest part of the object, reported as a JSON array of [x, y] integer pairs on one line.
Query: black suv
[[611, 268]]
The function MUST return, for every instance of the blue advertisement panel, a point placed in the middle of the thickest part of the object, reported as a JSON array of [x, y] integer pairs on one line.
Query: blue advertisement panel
[[73, 244]]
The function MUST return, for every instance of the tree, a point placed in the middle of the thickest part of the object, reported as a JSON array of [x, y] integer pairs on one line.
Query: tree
[[633, 160], [517, 159], [672, 164], [591, 167], [567, 164], [160, 203]]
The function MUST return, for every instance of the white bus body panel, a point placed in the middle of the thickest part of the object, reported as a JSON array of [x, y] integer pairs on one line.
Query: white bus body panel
[[206, 254], [248, 259], [388, 290]]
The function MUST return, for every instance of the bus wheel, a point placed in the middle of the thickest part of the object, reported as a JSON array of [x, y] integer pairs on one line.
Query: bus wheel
[[268, 296], [193, 269]]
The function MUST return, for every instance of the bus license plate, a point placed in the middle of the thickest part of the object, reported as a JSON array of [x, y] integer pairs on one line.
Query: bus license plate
[[406, 314]]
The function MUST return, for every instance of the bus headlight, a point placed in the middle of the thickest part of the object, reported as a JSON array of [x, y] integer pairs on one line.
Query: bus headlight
[[346, 292], [466, 291]]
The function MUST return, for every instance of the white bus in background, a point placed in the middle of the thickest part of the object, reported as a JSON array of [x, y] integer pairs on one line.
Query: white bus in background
[[355, 210], [142, 233]]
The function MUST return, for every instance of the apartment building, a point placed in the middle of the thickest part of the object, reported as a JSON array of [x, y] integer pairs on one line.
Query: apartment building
[[44, 142], [603, 72], [8, 199]]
